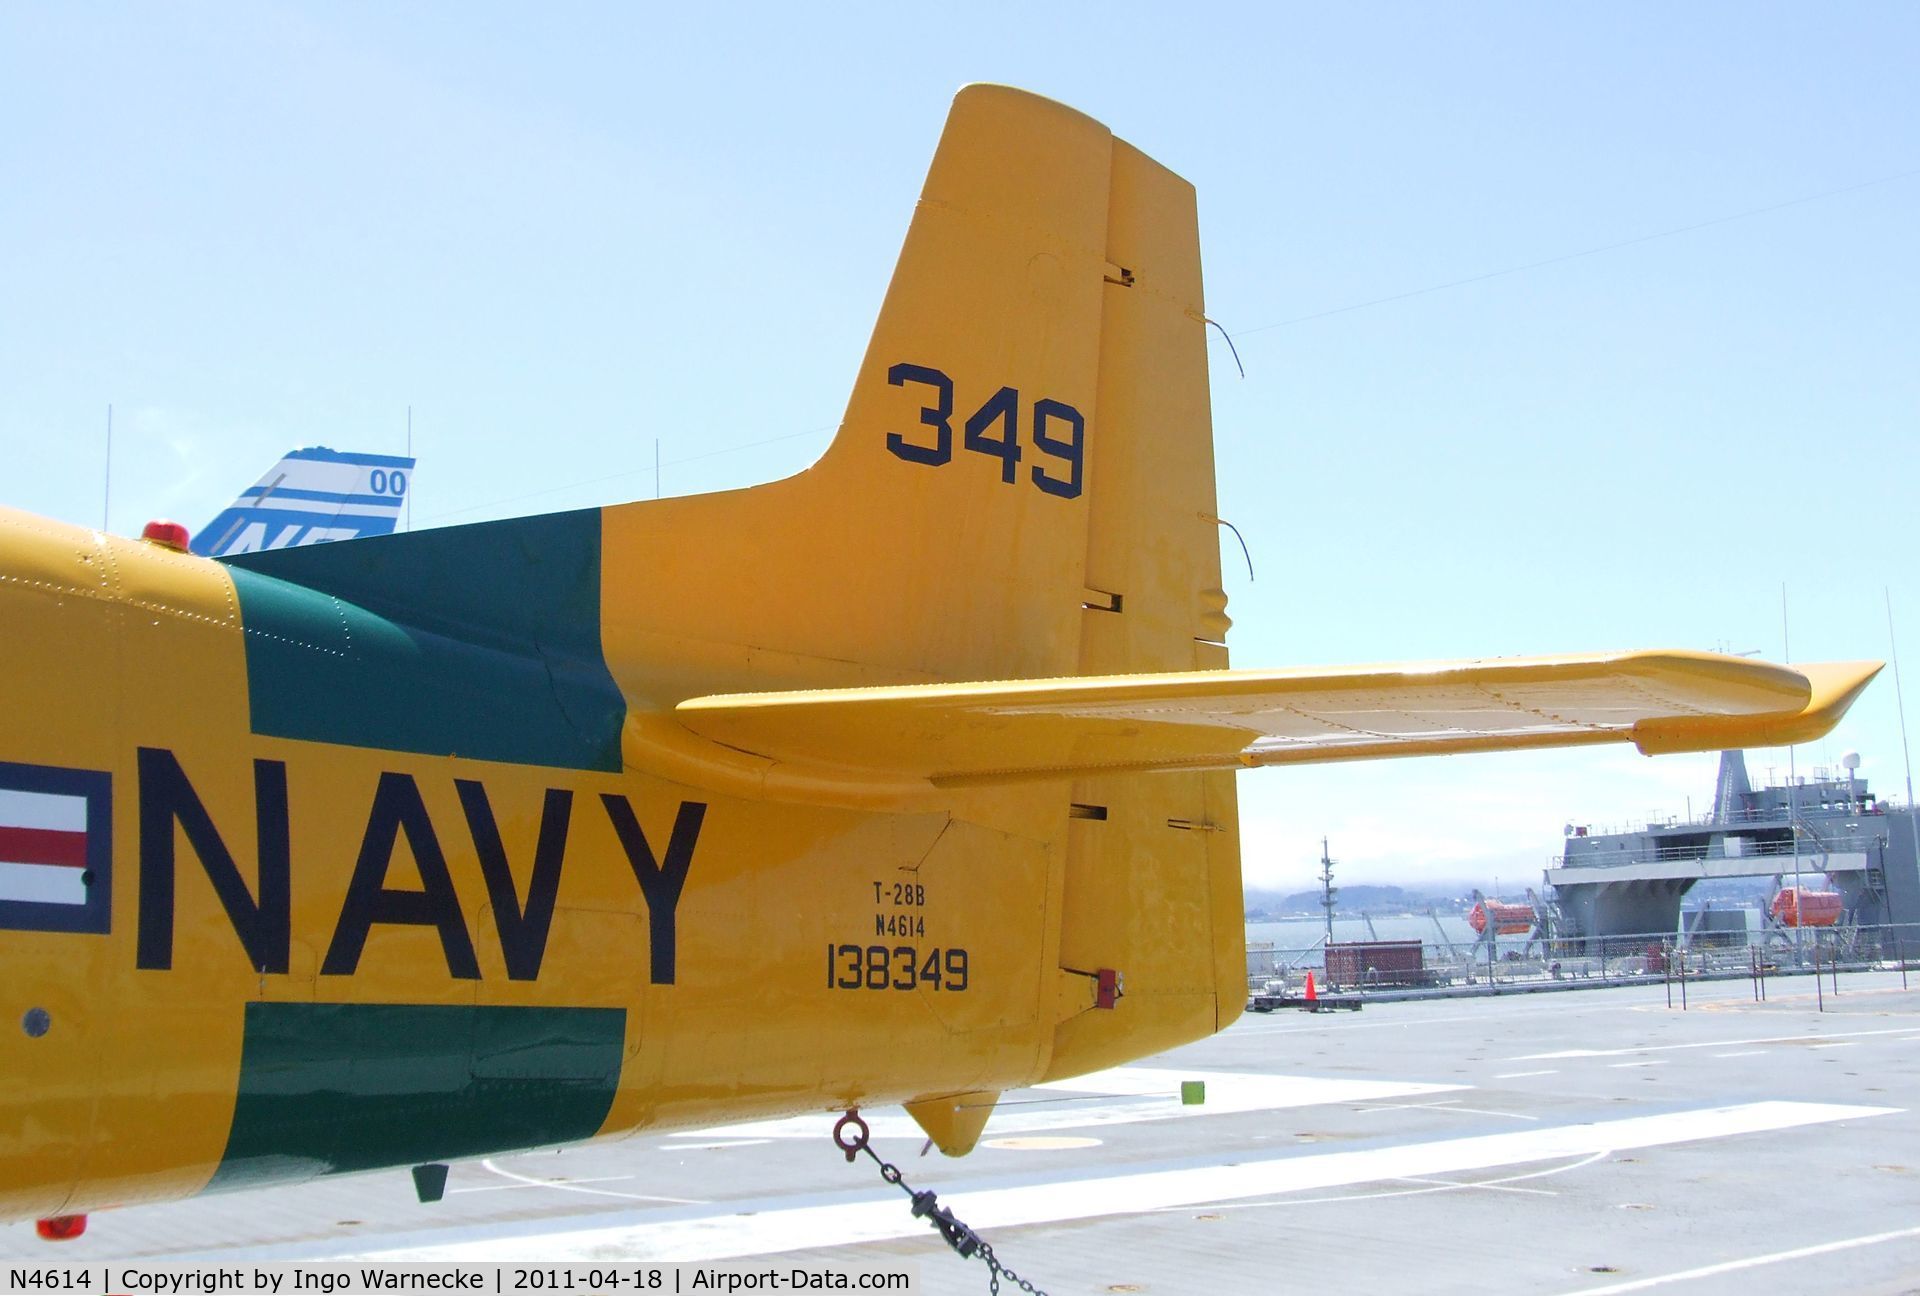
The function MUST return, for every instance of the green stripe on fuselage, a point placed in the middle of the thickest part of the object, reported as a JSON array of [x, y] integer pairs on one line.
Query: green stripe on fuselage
[[478, 641], [329, 1088]]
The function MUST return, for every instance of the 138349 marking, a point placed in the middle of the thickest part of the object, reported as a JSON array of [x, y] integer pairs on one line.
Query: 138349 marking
[[896, 967]]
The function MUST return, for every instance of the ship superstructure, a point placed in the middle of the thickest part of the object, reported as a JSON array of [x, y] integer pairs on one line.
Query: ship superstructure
[[1617, 885]]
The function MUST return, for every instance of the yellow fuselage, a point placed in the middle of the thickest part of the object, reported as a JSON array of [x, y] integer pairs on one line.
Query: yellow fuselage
[[322, 957]]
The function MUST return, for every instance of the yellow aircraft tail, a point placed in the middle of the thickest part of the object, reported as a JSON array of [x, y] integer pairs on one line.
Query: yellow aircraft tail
[[1023, 487], [1023, 483]]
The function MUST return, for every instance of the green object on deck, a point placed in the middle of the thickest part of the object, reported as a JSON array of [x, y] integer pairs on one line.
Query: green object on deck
[[1193, 1093]]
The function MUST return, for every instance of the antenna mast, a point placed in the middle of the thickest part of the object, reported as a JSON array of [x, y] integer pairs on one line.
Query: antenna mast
[[1327, 889], [106, 487], [1793, 795], [1893, 650]]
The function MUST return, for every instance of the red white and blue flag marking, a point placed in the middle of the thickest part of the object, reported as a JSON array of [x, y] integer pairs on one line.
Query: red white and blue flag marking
[[56, 849]]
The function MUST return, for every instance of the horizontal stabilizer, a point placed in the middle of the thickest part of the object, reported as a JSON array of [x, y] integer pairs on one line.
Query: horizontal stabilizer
[[955, 734]]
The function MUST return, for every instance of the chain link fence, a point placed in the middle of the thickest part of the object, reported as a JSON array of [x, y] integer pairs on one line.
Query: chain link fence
[[1432, 968]]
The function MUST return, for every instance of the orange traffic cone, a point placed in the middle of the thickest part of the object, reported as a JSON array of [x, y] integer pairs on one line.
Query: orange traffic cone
[[1311, 995]]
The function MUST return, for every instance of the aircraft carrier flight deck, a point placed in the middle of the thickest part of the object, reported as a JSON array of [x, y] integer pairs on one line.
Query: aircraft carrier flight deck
[[1559, 1144]]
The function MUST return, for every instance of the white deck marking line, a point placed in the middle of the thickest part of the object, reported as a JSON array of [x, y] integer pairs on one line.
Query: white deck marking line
[[1615, 1066], [1837, 1044], [531, 1182], [804, 1222], [1734, 1043], [1751, 1262], [1448, 1105], [1742, 1053], [718, 1143], [1118, 1096], [1581, 1164], [1383, 1106], [1489, 1186], [1521, 1075], [536, 1183]]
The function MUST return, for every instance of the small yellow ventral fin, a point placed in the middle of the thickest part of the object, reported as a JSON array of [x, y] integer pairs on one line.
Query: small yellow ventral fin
[[959, 734], [954, 1123]]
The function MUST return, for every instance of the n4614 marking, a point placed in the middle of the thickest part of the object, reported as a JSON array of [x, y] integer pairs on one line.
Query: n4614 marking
[[906, 924]]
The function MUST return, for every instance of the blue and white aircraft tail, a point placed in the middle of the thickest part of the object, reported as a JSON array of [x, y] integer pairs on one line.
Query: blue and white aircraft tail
[[310, 497]]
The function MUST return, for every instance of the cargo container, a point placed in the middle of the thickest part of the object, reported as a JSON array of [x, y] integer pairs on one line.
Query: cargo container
[[1376, 963]]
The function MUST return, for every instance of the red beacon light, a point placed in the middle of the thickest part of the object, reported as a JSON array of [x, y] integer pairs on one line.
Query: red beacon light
[[167, 534], [61, 1228]]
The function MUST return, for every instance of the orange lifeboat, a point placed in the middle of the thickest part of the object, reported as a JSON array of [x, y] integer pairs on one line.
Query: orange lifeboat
[[1508, 919], [1802, 907]]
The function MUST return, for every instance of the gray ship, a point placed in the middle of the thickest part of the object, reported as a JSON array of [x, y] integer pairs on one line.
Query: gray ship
[[1612, 887]]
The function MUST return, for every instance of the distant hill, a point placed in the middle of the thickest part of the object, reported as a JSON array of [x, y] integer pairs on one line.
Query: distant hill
[[1358, 898]]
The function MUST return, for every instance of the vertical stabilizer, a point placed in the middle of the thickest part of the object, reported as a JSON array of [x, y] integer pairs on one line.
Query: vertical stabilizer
[[1023, 487], [1023, 482], [310, 497]]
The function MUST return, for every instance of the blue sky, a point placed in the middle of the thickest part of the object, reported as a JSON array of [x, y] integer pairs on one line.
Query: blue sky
[[561, 232]]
